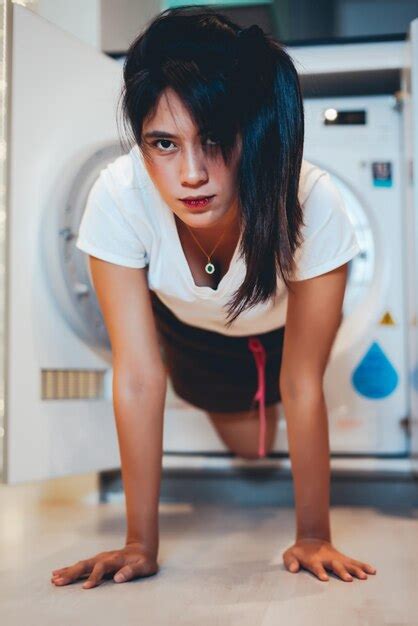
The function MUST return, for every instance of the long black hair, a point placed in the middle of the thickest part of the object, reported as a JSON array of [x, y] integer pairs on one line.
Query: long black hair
[[232, 81]]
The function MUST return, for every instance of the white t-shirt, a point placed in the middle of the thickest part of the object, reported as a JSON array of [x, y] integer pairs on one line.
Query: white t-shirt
[[127, 222]]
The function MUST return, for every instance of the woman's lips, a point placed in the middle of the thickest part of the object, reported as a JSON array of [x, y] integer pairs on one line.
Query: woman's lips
[[198, 204]]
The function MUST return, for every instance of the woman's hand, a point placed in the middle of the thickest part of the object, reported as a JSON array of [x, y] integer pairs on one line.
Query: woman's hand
[[316, 555], [130, 562]]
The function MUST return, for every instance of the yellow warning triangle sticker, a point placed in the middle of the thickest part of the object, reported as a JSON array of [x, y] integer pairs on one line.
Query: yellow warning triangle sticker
[[387, 319]]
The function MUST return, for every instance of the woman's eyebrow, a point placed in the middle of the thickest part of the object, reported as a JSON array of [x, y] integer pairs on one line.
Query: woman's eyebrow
[[160, 133]]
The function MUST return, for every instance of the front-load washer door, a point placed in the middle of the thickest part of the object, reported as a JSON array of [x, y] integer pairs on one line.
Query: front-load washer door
[[57, 400]]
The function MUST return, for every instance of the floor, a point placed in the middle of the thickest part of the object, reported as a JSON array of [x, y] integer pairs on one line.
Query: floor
[[220, 559]]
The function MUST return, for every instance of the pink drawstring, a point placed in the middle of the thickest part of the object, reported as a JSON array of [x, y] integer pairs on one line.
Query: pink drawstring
[[259, 354]]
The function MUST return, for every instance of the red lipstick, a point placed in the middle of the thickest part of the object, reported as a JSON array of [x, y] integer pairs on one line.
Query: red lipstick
[[196, 201]]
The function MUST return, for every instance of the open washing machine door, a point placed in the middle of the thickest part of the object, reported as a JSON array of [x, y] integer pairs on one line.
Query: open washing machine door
[[63, 129]]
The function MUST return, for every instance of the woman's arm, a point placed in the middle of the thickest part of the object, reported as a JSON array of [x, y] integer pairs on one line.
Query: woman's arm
[[139, 424], [313, 316], [139, 389]]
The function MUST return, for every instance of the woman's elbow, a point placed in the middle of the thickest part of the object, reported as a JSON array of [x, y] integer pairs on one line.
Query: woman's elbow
[[301, 386]]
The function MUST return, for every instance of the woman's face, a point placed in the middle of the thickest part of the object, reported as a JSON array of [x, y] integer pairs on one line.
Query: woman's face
[[182, 164]]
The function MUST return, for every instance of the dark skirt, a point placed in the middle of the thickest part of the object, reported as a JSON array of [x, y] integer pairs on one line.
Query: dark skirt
[[217, 372]]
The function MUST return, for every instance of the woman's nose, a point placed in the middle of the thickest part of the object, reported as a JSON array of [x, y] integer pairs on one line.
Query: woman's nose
[[193, 169]]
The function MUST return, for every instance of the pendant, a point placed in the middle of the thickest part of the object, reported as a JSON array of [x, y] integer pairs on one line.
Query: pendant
[[209, 268]]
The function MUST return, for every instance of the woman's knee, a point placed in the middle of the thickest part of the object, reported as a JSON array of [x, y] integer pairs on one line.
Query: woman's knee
[[239, 431]]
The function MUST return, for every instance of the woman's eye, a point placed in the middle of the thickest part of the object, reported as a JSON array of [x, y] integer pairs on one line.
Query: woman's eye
[[209, 140], [161, 141]]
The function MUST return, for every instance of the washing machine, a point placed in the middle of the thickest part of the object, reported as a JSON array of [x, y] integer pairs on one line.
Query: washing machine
[[358, 140], [58, 412]]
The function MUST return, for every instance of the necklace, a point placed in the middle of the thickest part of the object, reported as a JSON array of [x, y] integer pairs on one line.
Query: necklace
[[209, 267]]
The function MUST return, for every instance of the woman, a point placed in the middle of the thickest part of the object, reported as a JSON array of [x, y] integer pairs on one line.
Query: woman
[[216, 113]]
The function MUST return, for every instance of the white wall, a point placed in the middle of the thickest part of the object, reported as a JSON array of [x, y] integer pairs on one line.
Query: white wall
[[81, 18], [107, 25]]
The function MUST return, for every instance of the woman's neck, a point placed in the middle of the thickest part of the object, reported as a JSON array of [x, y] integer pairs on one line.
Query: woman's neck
[[229, 229]]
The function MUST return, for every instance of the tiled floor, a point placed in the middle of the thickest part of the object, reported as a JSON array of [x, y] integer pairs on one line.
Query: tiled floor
[[220, 563]]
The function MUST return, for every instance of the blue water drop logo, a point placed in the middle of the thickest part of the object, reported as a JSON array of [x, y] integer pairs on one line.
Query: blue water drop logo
[[375, 377]]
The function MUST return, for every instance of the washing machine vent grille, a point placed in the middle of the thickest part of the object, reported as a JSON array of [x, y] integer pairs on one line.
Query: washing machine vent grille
[[72, 384]]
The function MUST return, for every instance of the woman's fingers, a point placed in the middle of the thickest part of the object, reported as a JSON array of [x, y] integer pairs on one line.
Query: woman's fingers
[[142, 567], [290, 561], [319, 570], [101, 568], [126, 564], [364, 566], [318, 556], [64, 570], [340, 570], [343, 570], [70, 574], [356, 570]]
